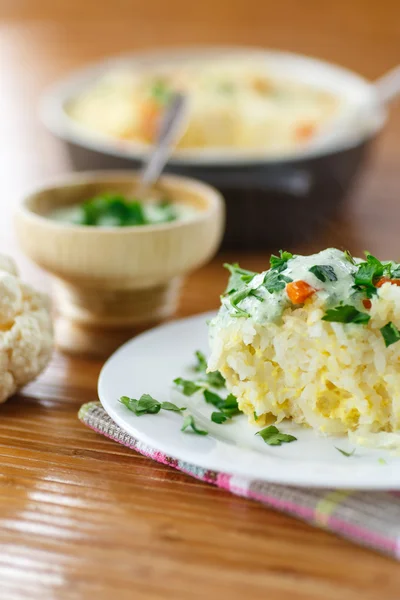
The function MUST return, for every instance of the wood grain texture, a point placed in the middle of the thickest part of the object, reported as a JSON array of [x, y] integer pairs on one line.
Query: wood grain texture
[[81, 517]]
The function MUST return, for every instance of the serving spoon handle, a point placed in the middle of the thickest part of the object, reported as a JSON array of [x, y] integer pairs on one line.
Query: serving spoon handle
[[171, 128], [388, 86]]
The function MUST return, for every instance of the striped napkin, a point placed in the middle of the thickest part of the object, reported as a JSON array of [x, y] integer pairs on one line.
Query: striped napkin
[[368, 518]]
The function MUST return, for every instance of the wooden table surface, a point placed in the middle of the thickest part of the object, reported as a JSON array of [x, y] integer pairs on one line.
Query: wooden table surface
[[81, 517]]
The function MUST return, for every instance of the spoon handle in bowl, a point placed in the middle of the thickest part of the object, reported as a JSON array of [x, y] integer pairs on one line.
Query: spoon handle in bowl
[[388, 86], [170, 130]]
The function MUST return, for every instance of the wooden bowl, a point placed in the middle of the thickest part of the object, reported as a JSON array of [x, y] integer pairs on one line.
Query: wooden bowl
[[111, 282]]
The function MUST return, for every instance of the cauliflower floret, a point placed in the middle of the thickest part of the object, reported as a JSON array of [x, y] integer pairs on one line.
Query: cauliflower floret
[[26, 335]]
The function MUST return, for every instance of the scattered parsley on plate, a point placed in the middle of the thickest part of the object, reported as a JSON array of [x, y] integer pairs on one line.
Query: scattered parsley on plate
[[228, 406], [147, 405], [214, 379], [348, 454], [187, 387], [189, 424], [273, 437], [219, 417]]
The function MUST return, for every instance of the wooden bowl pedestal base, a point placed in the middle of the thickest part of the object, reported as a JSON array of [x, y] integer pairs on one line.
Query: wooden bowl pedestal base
[[95, 322]]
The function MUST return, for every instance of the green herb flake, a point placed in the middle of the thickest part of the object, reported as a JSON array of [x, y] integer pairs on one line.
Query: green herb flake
[[114, 210], [218, 417], [395, 271], [390, 334], [201, 366], [187, 387], [347, 454], [255, 416], [160, 91], [279, 263], [213, 379], [171, 406], [237, 297], [275, 282], [369, 271], [189, 424], [382, 461], [229, 405], [346, 314], [212, 398], [349, 257], [239, 277], [273, 437], [323, 273], [145, 405]]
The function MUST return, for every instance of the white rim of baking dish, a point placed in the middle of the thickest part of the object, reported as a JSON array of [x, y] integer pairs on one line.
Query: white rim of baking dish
[[363, 119]]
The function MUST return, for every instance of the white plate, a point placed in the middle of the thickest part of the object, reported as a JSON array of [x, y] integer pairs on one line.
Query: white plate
[[150, 362]]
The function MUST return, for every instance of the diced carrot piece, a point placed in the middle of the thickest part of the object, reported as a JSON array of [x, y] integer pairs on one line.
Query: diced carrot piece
[[299, 291], [383, 280], [262, 85], [367, 303], [304, 132]]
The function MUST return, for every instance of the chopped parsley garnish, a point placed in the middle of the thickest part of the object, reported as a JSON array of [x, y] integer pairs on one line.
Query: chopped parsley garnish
[[214, 379], [346, 313], [240, 295], [219, 417], [368, 271], [324, 273], [237, 297], [275, 281], [273, 437], [390, 334], [188, 388], [161, 91], [395, 271], [189, 424], [228, 406], [147, 405], [201, 366], [171, 406], [279, 263], [348, 454], [238, 290], [114, 210], [349, 257], [238, 279]]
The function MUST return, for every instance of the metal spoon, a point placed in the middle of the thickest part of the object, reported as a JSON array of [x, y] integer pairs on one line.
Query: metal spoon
[[388, 86], [171, 129]]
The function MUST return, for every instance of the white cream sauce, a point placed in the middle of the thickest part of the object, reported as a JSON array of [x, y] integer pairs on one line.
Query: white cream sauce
[[298, 268], [70, 214]]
